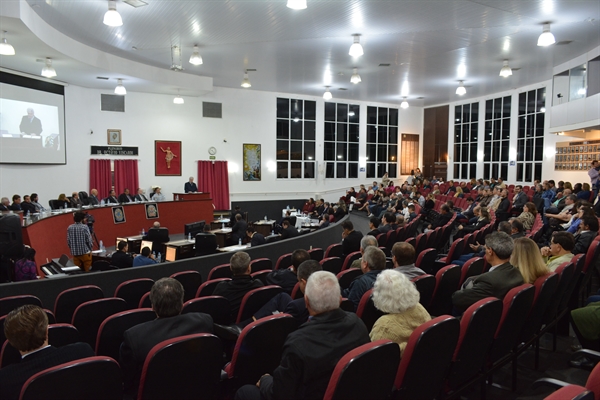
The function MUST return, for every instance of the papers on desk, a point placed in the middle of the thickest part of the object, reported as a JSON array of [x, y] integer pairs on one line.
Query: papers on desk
[[225, 230], [97, 251], [236, 247]]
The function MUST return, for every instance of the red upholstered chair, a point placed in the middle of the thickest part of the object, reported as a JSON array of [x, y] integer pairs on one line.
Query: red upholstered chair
[[316, 254], [258, 349], [347, 276], [145, 301], [571, 392], [334, 250], [379, 360], [366, 310], [425, 285], [261, 264], [77, 379], [68, 300], [332, 264], [255, 299], [184, 367], [472, 267], [350, 258], [261, 275], [545, 288], [217, 307], [447, 280], [208, 287], [426, 359], [190, 280], [391, 239], [593, 381], [89, 316], [422, 241], [426, 260], [133, 290], [7, 304], [296, 292], [220, 271], [110, 332], [284, 261], [454, 253], [381, 239]]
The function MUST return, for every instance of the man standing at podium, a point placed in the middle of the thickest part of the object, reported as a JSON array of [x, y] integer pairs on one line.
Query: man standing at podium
[[30, 124], [190, 187]]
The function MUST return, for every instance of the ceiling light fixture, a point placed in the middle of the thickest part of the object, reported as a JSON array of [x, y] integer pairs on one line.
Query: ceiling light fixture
[[5, 48], [327, 95], [48, 71], [355, 78], [460, 90], [546, 38], [120, 89], [176, 64], [112, 16], [296, 4], [505, 72], [404, 104], [196, 59], [356, 49], [246, 82], [178, 100]]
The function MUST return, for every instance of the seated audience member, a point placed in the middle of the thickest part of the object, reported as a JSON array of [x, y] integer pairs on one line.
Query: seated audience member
[[27, 206], [288, 230], [26, 268], [366, 241], [93, 199], [140, 196], [34, 200], [286, 278], [26, 329], [144, 258], [559, 251], [238, 230], [481, 219], [585, 192], [528, 260], [387, 222], [120, 258], [458, 193], [349, 194], [157, 236], [76, 201], [112, 198], [588, 229], [502, 206], [157, 195], [565, 215], [411, 213], [372, 263], [403, 256], [4, 204], [519, 199], [395, 295], [190, 186], [373, 226], [206, 242], [444, 217], [318, 210], [166, 297], [16, 204], [582, 211], [324, 221], [312, 351], [125, 197], [256, 239], [527, 217], [501, 277], [350, 238], [240, 284], [517, 230], [340, 212]]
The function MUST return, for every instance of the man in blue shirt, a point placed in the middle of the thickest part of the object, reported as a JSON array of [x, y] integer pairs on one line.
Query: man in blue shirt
[[145, 258]]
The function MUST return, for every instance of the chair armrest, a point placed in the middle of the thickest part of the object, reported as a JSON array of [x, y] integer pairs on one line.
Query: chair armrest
[[549, 382], [592, 355]]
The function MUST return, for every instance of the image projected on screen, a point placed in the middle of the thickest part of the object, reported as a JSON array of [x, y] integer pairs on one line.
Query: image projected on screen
[[31, 126]]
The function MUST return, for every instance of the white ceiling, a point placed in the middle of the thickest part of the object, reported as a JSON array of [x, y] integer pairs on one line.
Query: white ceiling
[[293, 51]]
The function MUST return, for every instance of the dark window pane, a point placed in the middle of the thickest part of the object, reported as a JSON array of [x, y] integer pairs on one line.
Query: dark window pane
[[506, 128], [474, 127], [456, 171], [310, 110], [489, 109], [309, 150], [342, 134], [520, 150], [283, 129], [340, 170], [371, 134], [353, 152], [475, 112], [521, 133], [341, 152], [465, 133], [503, 171], [496, 152], [393, 116], [497, 129], [498, 107], [353, 134], [372, 115], [488, 130], [464, 171], [329, 131], [371, 170], [393, 153], [297, 111], [457, 135], [473, 171], [342, 113], [494, 171], [330, 170], [529, 150], [309, 170], [504, 156], [473, 155], [538, 172], [528, 173], [381, 152], [530, 124], [457, 116], [539, 149], [296, 170], [520, 171], [506, 107], [457, 153], [329, 151], [487, 151], [329, 111], [522, 110], [466, 113], [381, 169], [392, 170], [486, 171], [353, 170], [282, 170], [393, 135], [539, 124], [382, 134], [465, 153], [382, 116], [283, 150], [371, 152], [295, 150], [531, 102], [283, 108], [354, 113], [541, 99], [296, 129], [309, 130]]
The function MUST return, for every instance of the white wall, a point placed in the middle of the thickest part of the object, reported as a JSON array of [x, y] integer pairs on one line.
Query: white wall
[[248, 117]]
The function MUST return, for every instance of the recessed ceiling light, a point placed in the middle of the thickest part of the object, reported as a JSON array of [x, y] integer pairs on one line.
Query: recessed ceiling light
[[356, 49], [296, 4], [404, 104]]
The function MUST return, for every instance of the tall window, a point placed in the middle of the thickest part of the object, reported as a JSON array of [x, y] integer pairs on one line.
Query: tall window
[[410, 153], [341, 140], [466, 121], [296, 138], [496, 138], [382, 142], [530, 140]]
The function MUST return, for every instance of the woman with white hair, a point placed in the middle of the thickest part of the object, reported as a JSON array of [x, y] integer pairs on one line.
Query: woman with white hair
[[395, 295]]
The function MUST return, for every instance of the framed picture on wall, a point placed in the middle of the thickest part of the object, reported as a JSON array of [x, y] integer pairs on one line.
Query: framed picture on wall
[[118, 214], [151, 210], [167, 158], [252, 162], [114, 136]]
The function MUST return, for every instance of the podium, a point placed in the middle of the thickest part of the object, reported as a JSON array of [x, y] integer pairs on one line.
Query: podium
[[191, 196]]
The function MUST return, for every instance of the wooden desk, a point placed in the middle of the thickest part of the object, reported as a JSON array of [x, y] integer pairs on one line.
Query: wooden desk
[[181, 248], [264, 227], [223, 237], [191, 196]]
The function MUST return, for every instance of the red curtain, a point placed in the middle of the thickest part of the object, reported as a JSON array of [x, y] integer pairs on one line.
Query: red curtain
[[126, 176], [213, 178], [100, 177]]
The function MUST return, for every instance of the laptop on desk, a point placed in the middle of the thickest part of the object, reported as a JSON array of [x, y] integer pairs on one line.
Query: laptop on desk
[[67, 265]]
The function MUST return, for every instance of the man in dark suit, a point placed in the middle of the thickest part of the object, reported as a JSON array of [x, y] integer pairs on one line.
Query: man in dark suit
[[350, 238], [503, 206], [519, 199], [442, 219], [311, 353], [286, 278], [238, 230], [206, 242], [26, 329], [125, 197], [75, 200], [30, 124], [288, 230], [4, 204], [27, 206], [166, 297], [140, 196], [16, 204], [374, 226], [120, 258], [112, 198], [498, 281], [190, 186], [256, 239], [93, 199], [157, 236], [372, 263], [589, 230], [236, 210]]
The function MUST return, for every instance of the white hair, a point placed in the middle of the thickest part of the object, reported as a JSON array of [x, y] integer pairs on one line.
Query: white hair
[[323, 292], [393, 293]]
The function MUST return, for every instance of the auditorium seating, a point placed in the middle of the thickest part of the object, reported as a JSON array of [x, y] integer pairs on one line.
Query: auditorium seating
[[220, 271], [350, 258], [367, 311], [425, 285], [447, 280], [255, 299], [110, 332], [88, 316], [346, 277], [261, 275], [334, 250], [261, 264], [316, 254], [284, 261], [133, 290], [68, 300], [7, 304], [208, 287], [190, 280], [332, 264]]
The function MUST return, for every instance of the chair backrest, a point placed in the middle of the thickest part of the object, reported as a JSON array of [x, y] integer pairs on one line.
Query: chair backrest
[[366, 310], [296, 292], [77, 379], [422, 241], [378, 360], [261, 275], [426, 359], [477, 329], [68, 300], [332, 264], [425, 285], [545, 287], [111, 330], [145, 301], [350, 258], [593, 381], [447, 280], [334, 250], [101, 265], [261, 264], [259, 348], [391, 239], [182, 368], [571, 392], [455, 250], [191, 281], [88, 316], [255, 299], [284, 261], [426, 260], [346, 277], [133, 290], [220, 271], [7, 304], [217, 307], [565, 271], [382, 239], [316, 254], [208, 287], [472, 267], [591, 255]]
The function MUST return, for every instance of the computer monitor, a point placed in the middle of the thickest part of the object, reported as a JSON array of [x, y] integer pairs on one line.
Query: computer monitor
[[194, 227], [119, 240], [146, 243], [171, 254]]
